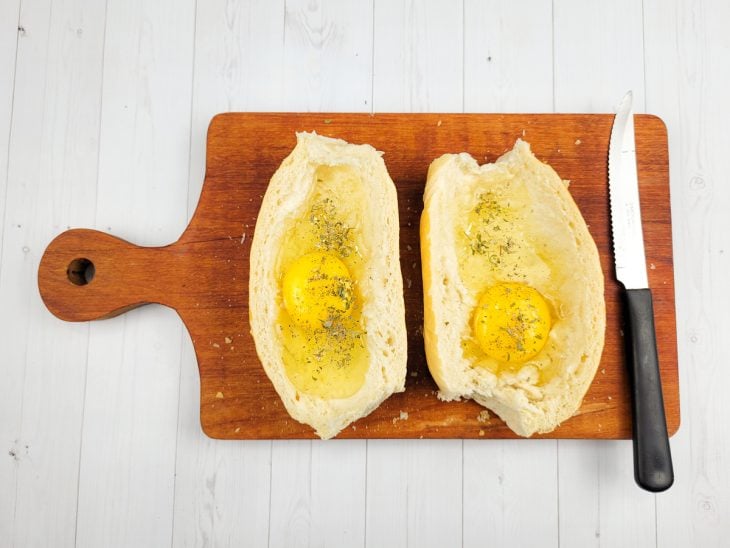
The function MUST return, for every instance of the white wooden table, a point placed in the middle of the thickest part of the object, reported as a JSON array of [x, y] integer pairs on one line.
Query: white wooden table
[[103, 111]]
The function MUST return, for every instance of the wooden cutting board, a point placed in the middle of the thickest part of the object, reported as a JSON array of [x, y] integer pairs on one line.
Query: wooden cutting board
[[204, 275]]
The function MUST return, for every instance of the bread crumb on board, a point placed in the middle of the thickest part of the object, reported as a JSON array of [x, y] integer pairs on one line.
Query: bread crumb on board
[[219, 395], [481, 432], [228, 340], [402, 417], [483, 416]]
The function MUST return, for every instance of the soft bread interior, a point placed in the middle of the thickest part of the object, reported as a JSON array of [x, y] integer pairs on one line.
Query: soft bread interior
[[379, 283], [563, 265]]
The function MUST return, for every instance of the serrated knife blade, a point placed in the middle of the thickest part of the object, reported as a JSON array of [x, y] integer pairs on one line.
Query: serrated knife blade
[[628, 239], [653, 468]]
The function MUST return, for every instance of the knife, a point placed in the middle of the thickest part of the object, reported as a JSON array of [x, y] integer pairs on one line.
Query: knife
[[653, 469]]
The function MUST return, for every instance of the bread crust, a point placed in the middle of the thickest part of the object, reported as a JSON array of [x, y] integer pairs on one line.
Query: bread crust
[[383, 313], [526, 407]]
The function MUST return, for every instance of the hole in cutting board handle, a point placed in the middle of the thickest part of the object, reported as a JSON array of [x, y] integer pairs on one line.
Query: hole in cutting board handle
[[81, 271], [88, 275]]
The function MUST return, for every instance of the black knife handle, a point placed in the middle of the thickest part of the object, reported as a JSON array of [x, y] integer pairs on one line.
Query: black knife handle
[[652, 457]]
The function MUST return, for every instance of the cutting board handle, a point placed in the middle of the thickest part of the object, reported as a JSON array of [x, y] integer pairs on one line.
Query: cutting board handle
[[89, 275]]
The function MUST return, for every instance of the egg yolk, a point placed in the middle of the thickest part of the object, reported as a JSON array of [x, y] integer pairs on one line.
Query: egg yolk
[[317, 290], [511, 322]]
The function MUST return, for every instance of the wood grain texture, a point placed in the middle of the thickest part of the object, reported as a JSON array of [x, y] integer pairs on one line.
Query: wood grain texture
[[50, 134], [503, 506], [10, 395], [127, 476], [10, 34], [598, 54], [317, 494], [687, 76], [417, 67], [415, 495], [499, 77], [204, 275], [327, 56]]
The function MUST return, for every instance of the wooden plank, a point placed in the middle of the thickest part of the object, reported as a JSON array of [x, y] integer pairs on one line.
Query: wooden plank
[[627, 514], [499, 77], [512, 500], [390, 465], [131, 405], [686, 76], [317, 493], [53, 141], [418, 67], [327, 57], [10, 34], [579, 491], [10, 389], [501, 477], [599, 503], [414, 493], [291, 494], [222, 490], [593, 35], [338, 493]]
